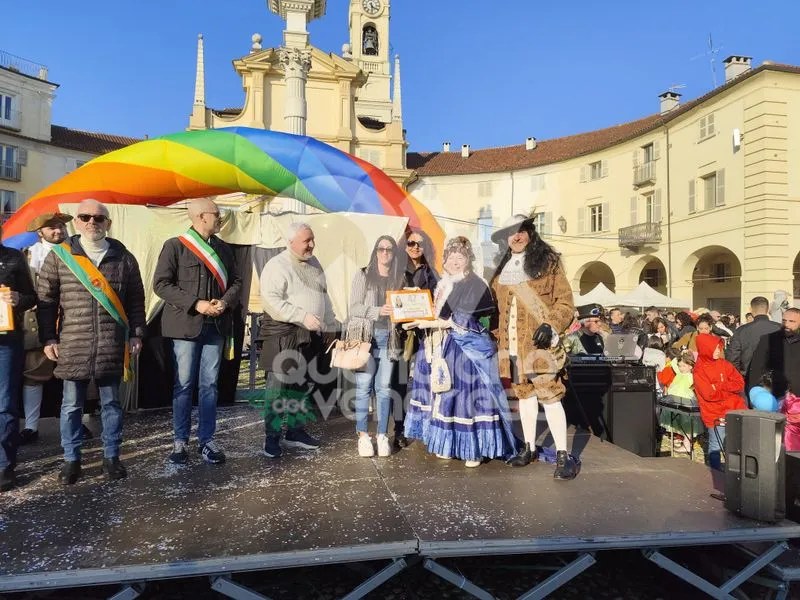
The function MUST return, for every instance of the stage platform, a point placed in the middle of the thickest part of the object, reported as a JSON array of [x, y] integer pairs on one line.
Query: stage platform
[[331, 506]]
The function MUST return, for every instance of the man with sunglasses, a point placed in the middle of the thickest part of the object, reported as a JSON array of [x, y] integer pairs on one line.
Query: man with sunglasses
[[91, 321], [590, 338], [196, 277]]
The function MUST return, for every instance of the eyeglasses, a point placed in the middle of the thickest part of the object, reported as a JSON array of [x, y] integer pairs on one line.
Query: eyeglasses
[[385, 250], [411, 244], [95, 218]]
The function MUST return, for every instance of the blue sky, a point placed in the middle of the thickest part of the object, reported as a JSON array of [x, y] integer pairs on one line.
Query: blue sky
[[471, 73]]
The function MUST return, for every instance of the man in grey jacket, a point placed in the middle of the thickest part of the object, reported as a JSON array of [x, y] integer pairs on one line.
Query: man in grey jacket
[[745, 339], [93, 281]]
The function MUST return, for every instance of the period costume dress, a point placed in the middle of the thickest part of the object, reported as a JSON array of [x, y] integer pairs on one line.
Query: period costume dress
[[470, 421]]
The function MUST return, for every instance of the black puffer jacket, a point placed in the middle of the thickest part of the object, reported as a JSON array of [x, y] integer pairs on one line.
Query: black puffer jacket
[[15, 274], [90, 341]]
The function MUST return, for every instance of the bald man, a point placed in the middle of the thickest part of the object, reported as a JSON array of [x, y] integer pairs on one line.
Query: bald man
[[196, 276], [91, 321]]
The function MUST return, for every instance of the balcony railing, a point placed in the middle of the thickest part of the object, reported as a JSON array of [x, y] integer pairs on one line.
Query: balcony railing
[[641, 234], [644, 173], [11, 171], [22, 65], [13, 120]]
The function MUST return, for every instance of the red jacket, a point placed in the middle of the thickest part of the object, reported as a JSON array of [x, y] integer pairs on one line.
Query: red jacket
[[717, 383]]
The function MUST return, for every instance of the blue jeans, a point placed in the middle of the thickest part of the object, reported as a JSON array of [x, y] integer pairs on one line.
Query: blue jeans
[[72, 411], [11, 357], [376, 377], [196, 362], [715, 446]]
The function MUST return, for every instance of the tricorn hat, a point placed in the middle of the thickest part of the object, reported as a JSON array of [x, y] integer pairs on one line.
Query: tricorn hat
[[590, 311], [49, 220], [511, 226]]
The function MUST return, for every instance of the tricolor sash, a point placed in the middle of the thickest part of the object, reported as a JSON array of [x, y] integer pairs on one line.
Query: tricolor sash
[[97, 285], [203, 251], [208, 256]]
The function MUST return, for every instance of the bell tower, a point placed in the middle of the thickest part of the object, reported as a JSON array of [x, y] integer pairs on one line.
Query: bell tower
[[369, 40]]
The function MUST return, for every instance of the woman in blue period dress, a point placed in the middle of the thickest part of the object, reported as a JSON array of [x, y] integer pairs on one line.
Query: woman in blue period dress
[[470, 420]]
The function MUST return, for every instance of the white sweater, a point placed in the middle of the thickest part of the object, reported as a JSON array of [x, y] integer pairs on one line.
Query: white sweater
[[292, 288]]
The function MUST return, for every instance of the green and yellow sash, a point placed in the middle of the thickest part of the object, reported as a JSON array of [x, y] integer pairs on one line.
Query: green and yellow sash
[[97, 285]]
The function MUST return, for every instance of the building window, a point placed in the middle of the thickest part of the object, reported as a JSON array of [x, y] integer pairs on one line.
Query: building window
[[6, 111], [596, 218], [720, 272], [8, 201], [9, 165], [429, 192], [647, 153], [543, 222], [714, 189], [485, 224], [653, 207], [595, 170], [485, 189], [371, 155], [652, 277], [538, 183], [707, 128]]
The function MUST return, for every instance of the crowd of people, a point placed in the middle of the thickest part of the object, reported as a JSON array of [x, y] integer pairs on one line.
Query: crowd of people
[[78, 307]]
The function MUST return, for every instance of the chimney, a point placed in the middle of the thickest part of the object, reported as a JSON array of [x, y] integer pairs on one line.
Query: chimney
[[464, 150], [669, 100], [530, 143], [735, 66], [446, 147]]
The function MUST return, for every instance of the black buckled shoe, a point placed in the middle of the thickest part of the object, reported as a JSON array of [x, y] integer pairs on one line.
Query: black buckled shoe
[[524, 457], [28, 436], [114, 469], [70, 472], [7, 479], [566, 469], [400, 441]]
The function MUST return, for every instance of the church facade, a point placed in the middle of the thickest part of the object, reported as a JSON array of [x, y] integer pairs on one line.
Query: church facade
[[354, 99]]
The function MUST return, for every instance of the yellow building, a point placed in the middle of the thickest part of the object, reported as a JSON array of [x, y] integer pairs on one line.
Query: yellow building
[[700, 200], [33, 152], [351, 104]]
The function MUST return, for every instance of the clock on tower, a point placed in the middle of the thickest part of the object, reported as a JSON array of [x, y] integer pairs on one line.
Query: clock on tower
[[371, 7]]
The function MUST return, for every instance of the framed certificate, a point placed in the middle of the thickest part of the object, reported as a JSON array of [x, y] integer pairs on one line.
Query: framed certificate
[[6, 314], [410, 305]]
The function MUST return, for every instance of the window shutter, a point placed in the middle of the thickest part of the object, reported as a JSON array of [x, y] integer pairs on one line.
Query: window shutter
[[710, 125], [691, 196], [702, 128], [636, 158], [604, 168], [634, 207], [656, 150], [606, 217], [548, 223], [720, 187], [582, 219], [583, 174], [657, 206], [23, 157]]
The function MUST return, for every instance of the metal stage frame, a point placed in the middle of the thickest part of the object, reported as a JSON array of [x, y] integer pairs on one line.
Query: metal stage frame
[[335, 508]]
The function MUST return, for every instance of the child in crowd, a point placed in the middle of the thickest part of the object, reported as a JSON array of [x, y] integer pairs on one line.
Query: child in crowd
[[680, 391], [761, 397], [718, 386], [791, 408]]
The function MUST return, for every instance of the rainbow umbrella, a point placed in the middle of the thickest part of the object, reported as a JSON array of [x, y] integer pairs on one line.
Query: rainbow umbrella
[[193, 164]]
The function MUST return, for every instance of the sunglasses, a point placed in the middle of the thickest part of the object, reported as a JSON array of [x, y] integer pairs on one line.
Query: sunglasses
[[386, 250], [95, 218], [414, 244]]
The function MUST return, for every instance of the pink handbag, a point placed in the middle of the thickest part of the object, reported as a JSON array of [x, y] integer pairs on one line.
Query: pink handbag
[[352, 353], [791, 435]]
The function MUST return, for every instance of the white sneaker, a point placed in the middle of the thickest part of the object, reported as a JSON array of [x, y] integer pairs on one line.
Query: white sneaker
[[365, 448], [384, 449], [443, 457], [472, 463]]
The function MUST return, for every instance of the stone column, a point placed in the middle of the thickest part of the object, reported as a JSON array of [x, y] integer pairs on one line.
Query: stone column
[[296, 63]]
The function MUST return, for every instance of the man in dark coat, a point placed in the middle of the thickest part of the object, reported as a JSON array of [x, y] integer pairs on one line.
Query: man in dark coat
[[779, 352], [745, 339], [16, 292], [93, 281], [197, 278]]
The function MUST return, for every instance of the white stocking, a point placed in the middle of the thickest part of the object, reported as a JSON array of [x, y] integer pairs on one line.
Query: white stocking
[[557, 422], [528, 413]]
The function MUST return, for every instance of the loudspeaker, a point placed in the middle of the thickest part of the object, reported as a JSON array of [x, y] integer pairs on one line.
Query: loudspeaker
[[793, 486], [631, 419], [755, 483]]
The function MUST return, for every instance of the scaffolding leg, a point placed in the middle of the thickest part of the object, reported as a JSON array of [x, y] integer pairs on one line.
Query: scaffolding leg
[[378, 579], [129, 592], [561, 577], [227, 587], [457, 580], [722, 592]]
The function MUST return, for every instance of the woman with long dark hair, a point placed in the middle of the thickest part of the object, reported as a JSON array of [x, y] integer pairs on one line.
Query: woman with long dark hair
[[370, 311], [535, 307], [416, 261]]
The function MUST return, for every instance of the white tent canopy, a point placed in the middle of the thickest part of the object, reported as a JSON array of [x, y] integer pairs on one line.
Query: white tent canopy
[[644, 296], [600, 295]]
